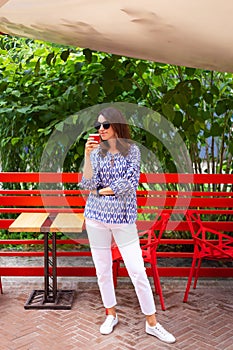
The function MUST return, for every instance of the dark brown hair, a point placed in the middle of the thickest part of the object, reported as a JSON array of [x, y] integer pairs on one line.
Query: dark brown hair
[[120, 127]]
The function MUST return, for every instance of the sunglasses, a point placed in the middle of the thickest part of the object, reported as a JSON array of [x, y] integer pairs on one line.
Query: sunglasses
[[106, 125]]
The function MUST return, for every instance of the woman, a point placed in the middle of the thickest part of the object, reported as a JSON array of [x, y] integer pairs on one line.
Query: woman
[[111, 173]]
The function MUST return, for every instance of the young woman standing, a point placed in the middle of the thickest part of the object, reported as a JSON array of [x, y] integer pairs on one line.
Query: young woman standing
[[111, 173]]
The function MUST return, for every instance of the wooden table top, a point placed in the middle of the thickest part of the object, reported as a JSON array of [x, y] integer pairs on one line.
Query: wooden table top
[[32, 222], [28, 222], [67, 222]]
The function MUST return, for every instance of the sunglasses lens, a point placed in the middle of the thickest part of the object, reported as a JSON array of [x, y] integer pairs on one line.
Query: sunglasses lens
[[106, 125], [97, 126]]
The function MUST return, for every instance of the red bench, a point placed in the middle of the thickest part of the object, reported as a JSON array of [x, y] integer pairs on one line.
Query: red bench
[[210, 194]]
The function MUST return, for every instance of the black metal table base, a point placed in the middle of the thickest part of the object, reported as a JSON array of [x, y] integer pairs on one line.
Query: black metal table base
[[63, 300], [50, 297]]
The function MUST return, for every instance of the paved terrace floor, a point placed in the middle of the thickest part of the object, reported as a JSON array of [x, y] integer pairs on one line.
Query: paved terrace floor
[[204, 323]]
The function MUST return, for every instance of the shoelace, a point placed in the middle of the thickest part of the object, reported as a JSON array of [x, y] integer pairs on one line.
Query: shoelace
[[160, 328]]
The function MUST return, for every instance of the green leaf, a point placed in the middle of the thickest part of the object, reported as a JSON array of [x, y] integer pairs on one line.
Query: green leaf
[[88, 55], [178, 119], [108, 87], [106, 62], [196, 85], [49, 58], [137, 94], [168, 111], [168, 96], [186, 125], [93, 90], [54, 60], [208, 97], [15, 140], [127, 85], [6, 110], [109, 74], [37, 67], [158, 71], [230, 147], [78, 66], [162, 89], [45, 131], [229, 103], [190, 71], [64, 55], [3, 86], [141, 68], [197, 126], [204, 115], [221, 107], [16, 93], [192, 111], [181, 99], [214, 90], [145, 90], [216, 130], [39, 108], [25, 109]]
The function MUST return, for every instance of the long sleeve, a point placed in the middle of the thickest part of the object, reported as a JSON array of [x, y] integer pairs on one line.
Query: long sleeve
[[94, 182], [129, 182]]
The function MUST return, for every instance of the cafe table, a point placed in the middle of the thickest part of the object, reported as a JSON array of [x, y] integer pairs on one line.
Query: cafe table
[[49, 224]]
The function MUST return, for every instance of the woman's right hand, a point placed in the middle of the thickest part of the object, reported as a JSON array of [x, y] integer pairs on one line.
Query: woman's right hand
[[90, 146]]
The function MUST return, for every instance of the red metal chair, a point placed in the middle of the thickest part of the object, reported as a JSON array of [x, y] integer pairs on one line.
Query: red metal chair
[[148, 253], [208, 244]]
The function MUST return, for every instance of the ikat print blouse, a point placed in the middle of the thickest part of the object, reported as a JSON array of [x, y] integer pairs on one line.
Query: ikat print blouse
[[121, 174]]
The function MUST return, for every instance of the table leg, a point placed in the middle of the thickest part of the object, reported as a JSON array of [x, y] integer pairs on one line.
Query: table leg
[[50, 297], [50, 269]]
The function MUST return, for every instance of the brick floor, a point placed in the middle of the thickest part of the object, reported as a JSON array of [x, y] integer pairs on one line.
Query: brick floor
[[204, 323]]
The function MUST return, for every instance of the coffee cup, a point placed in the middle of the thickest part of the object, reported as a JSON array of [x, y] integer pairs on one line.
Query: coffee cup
[[95, 137]]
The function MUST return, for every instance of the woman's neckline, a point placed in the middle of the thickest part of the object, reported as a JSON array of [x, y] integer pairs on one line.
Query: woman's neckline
[[113, 153]]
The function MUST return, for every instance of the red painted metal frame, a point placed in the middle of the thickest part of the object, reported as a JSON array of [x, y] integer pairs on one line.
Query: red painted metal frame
[[74, 271], [186, 178], [47, 177], [220, 249]]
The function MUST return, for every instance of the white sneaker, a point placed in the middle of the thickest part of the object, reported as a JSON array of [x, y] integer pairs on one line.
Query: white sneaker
[[109, 324], [161, 333]]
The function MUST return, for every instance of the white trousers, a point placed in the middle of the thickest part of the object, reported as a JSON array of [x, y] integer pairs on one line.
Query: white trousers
[[101, 236]]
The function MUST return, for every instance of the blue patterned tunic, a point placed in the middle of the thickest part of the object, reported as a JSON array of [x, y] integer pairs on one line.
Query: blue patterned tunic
[[121, 174]]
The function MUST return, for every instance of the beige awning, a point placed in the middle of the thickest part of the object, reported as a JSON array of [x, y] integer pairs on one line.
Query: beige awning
[[197, 33]]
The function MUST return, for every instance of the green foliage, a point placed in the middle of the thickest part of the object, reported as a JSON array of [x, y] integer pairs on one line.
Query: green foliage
[[41, 84]]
